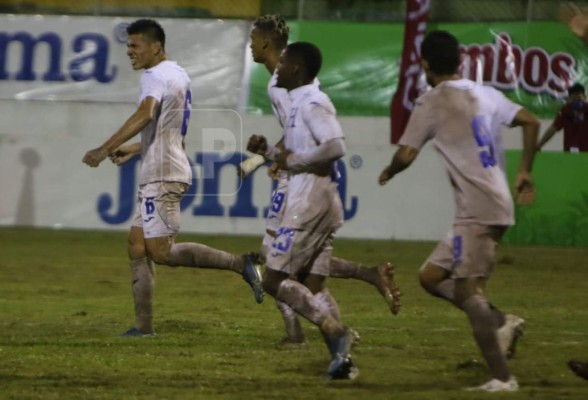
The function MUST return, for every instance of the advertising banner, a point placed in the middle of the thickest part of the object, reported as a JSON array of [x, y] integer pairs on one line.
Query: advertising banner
[[84, 58], [532, 63]]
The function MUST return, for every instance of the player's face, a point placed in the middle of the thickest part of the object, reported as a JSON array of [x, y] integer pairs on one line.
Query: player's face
[[258, 45], [286, 72], [142, 52], [576, 97], [428, 73]]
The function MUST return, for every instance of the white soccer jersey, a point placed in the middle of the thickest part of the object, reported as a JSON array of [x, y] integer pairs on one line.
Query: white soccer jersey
[[463, 118], [281, 99], [312, 195], [162, 141]]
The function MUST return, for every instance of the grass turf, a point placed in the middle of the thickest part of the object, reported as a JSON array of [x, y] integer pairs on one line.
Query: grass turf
[[65, 296]]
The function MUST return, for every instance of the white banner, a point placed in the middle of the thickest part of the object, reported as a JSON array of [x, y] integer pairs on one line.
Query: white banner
[[44, 183], [84, 58]]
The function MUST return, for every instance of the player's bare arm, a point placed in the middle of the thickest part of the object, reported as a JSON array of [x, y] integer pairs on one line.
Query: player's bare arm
[[402, 159], [124, 153], [524, 182], [145, 113], [576, 19], [547, 135]]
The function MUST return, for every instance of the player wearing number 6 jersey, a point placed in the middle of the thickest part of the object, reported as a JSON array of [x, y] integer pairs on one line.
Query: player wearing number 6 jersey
[[162, 119], [461, 118]]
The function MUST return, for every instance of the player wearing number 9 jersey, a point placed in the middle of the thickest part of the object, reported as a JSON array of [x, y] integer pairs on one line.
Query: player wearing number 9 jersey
[[269, 38], [462, 119], [162, 119]]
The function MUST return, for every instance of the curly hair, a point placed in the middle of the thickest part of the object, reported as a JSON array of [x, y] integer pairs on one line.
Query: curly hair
[[275, 25]]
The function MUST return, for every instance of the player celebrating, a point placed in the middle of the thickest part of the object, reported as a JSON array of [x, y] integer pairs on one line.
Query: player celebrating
[[162, 118], [269, 38], [461, 118], [313, 142]]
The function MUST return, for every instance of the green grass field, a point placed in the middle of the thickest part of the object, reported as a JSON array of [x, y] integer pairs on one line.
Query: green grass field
[[65, 296]]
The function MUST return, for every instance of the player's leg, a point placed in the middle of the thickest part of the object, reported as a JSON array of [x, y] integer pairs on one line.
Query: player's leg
[[296, 252], [301, 299], [381, 276], [580, 368], [435, 278], [163, 223], [474, 253], [142, 278], [294, 333], [293, 253]]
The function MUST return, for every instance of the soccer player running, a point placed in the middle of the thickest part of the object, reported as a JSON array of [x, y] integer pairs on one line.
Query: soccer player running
[[162, 119], [299, 256], [269, 38], [461, 118]]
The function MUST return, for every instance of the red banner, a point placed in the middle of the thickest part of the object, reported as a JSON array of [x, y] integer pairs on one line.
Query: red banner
[[417, 13]]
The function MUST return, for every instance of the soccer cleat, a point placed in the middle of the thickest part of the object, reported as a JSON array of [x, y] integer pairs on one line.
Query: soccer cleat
[[579, 368], [496, 385], [387, 286], [509, 334], [252, 275], [339, 347], [134, 332], [347, 371]]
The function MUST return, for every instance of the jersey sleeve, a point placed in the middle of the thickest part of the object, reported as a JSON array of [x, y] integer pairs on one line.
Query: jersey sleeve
[[151, 86], [506, 109], [419, 129], [322, 122]]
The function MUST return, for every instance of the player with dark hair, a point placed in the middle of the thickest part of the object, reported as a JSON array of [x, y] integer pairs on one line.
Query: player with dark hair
[[461, 118], [162, 119], [298, 260], [269, 38], [573, 118]]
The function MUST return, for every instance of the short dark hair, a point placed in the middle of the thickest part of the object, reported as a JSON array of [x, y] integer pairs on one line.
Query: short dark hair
[[148, 27], [576, 89], [276, 26], [308, 55], [441, 50]]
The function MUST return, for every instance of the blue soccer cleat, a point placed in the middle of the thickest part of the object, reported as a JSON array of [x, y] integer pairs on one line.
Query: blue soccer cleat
[[134, 332], [252, 275], [341, 364], [346, 371]]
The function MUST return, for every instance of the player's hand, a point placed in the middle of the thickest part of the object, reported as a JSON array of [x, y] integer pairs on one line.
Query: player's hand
[[257, 144], [385, 176], [282, 159], [571, 15], [121, 155], [93, 158], [273, 171], [525, 189]]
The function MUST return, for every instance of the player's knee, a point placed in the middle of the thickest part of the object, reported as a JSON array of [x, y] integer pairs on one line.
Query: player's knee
[[426, 282], [160, 257], [136, 250], [430, 276], [271, 282]]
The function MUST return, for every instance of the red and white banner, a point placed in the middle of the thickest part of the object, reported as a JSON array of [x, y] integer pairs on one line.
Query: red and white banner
[[417, 13]]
